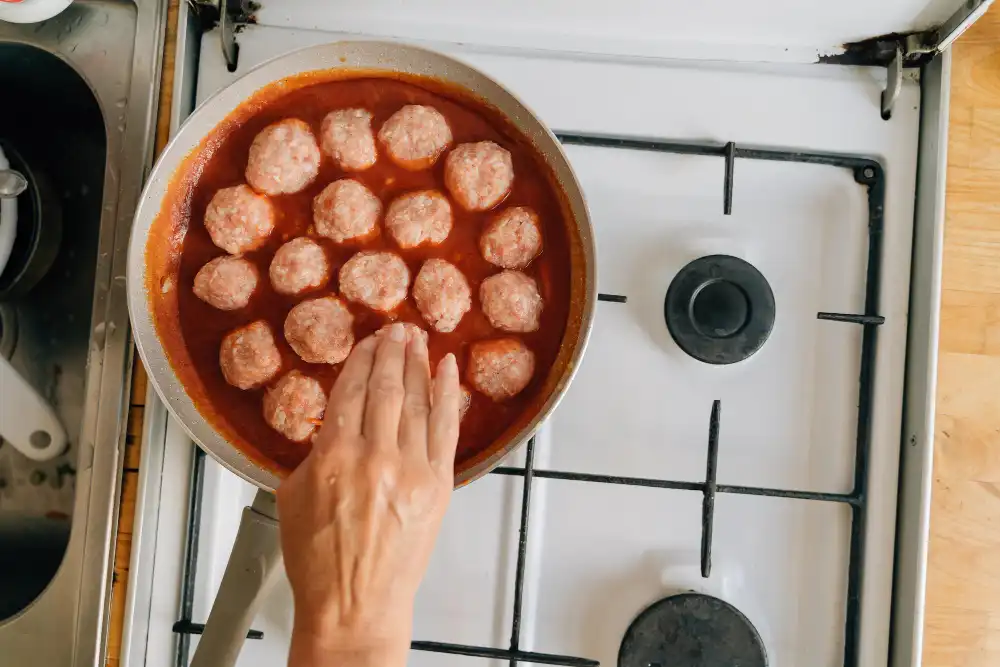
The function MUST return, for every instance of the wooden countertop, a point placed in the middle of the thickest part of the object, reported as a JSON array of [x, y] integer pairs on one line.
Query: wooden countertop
[[963, 591], [963, 588]]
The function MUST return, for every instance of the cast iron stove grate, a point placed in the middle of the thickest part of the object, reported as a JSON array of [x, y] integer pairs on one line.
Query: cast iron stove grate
[[867, 172]]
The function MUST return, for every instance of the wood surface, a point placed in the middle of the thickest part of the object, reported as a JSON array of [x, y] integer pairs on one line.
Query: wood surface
[[963, 592], [963, 586], [137, 400]]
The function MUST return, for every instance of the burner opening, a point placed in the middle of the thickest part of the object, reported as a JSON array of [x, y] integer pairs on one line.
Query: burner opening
[[719, 309], [691, 630]]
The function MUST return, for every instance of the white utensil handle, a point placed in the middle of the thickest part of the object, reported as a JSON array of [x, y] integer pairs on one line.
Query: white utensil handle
[[8, 221], [249, 574], [27, 421]]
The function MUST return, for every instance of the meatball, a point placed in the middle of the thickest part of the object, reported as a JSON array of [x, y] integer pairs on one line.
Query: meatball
[[248, 356], [442, 294], [417, 218], [320, 330], [284, 158], [512, 239], [500, 368], [410, 329], [226, 282], [415, 136], [378, 280], [294, 406], [478, 175], [346, 210], [299, 265], [511, 301], [238, 219], [346, 136]]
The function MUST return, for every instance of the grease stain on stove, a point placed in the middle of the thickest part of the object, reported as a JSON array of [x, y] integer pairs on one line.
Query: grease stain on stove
[[691, 630]]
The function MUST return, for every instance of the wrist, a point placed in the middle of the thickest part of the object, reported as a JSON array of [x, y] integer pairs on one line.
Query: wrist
[[311, 650]]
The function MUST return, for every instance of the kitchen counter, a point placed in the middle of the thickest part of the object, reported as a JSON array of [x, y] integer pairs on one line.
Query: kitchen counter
[[963, 587], [963, 595]]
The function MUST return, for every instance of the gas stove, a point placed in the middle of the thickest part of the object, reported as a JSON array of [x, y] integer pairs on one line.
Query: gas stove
[[723, 483]]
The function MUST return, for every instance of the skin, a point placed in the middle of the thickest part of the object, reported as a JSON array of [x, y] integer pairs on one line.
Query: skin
[[360, 516]]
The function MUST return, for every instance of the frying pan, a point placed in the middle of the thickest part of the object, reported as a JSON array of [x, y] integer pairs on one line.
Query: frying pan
[[252, 563]]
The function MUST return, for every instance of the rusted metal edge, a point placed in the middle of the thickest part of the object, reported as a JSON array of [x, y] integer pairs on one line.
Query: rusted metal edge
[[917, 49], [241, 12]]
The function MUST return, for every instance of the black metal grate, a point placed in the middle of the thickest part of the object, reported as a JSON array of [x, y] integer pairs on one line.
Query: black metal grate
[[867, 172]]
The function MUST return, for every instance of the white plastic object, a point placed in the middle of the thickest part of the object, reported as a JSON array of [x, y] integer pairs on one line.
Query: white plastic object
[[8, 220], [27, 422], [31, 11], [250, 573]]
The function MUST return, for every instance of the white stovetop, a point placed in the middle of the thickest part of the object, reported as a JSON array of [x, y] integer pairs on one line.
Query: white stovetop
[[733, 30], [599, 554]]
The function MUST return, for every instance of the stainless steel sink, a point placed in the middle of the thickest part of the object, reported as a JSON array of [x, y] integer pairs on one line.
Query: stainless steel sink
[[77, 102]]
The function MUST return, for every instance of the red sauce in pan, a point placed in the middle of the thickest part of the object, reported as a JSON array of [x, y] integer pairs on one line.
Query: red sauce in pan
[[191, 330]]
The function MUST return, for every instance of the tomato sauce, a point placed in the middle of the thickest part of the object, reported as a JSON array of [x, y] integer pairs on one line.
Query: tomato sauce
[[191, 330]]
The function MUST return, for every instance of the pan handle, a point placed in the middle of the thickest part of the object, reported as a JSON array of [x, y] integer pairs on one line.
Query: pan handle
[[249, 575], [27, 421]]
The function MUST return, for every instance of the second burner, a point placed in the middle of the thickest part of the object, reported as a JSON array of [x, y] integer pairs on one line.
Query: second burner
[[719, 309]]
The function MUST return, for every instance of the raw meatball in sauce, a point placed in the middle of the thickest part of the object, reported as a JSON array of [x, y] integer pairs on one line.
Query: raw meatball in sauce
[[320, 330], [417, 218], [511, 301], [294, 406], [415, 136], [512, 239], [442, 294], [378, 280], [226, 282], [500, 368], [346, 136], [479, 175], [346, 210], [297, 266], [238, 219], [284, 158], [248, 356]]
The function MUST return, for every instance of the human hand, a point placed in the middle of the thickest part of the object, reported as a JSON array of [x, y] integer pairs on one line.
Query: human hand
[[360, 515]]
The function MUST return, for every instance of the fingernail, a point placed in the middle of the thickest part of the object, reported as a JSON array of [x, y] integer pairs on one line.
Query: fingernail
[[397, 332], [418, 341], [449, 363]]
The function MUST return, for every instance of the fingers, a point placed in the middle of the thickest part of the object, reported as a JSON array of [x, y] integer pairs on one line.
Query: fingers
[[417, 398], [346, 408], [442, 435], [385, 389]]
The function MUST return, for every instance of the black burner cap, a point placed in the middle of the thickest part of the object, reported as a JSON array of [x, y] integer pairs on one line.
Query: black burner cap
[[691, 630], [719, 309]]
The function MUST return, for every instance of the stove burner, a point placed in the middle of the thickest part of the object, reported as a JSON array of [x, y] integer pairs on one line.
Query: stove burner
[[719, 309], [691, 630]]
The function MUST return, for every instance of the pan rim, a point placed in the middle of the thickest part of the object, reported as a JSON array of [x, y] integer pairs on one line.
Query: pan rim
[[349, 55]]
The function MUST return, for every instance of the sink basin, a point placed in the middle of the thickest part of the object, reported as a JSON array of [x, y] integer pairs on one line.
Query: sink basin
[[50, 325], [78, 94]]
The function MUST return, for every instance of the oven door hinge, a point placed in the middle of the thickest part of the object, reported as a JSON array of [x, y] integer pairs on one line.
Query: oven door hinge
[[237, 15], [896, 51]]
